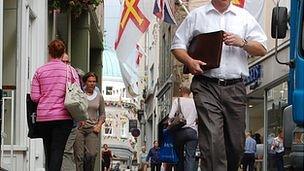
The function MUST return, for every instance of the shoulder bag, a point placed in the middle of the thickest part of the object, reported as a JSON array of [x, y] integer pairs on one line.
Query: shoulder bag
[[31, 115], [178, 121], [76, 101]]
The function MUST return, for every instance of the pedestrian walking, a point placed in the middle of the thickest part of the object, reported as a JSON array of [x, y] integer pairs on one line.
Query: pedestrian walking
[[48, 90], [186, 141], [220, 94], [86, 144], [153, 157], [249, 152], [106, 156], [68, 161], [143, 156], [277, 146]]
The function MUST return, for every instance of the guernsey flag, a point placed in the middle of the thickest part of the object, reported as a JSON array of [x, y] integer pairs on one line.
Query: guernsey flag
[[134, 21], [254, 7], [239, 3]]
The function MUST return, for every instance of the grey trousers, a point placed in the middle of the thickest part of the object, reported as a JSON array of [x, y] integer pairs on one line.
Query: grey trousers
[[68, 162], [221, 123], [85, 148]]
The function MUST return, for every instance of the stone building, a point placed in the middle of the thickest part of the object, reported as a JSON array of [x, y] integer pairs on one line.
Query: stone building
[[26, 28]]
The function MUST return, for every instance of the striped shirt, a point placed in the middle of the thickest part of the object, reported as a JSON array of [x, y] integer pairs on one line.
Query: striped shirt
[[48, 90]]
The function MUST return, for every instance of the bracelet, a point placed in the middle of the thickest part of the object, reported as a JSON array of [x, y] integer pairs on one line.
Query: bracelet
[[245, 43]]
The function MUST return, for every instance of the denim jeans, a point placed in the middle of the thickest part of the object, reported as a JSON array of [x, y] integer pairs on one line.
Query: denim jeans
[[185, 145]]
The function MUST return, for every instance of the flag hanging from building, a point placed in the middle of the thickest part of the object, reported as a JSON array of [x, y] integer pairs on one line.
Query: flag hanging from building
[[162, 10], [134, 21], [139, 54], [254, 7], [129, 70], [239, 3]]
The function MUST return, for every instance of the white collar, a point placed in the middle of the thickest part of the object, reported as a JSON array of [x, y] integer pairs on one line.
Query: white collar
[[231, 8], [91, 97]]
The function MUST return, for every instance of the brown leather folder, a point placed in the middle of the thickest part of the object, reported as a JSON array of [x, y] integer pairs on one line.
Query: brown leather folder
[[206, 47]]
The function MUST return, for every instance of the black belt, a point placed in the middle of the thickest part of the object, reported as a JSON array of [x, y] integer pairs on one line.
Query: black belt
[[222, 82]]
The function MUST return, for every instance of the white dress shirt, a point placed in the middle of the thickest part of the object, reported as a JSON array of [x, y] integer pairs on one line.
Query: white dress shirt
[[236, 20], [188, 109]]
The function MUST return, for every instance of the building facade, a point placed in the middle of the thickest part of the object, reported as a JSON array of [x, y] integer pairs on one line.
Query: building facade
[[267, 94], [267, 85], [121, 114], [121, 109], [26, 28]]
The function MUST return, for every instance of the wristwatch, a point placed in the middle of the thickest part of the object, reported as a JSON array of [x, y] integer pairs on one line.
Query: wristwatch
[[245, 43]]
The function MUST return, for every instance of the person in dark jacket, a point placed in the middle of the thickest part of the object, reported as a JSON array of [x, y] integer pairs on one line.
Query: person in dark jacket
[[153, 156]]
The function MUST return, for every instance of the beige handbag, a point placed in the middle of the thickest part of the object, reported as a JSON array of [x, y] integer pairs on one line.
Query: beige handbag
[[76, 101]]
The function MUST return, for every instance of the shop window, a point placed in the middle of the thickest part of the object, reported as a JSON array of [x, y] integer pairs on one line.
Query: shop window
[[10, 131], [124, 129], [109, 90], [276, 102], [152, 76]]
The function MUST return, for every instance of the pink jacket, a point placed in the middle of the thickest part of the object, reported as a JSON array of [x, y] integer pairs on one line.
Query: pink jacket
[[48, 90]]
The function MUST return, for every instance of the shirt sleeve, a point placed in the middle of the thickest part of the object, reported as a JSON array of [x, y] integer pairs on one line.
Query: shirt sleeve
[[183, 34], [173, 108], [35, 88], [148, 156], [254, 31], [102, 112]]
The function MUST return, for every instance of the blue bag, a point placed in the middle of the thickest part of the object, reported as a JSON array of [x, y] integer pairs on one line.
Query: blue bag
[[167, 152]]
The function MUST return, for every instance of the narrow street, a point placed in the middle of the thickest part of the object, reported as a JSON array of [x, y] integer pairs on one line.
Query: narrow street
[[146, 97]]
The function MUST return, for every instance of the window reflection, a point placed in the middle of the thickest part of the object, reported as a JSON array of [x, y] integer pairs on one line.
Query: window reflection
[[276, 102]]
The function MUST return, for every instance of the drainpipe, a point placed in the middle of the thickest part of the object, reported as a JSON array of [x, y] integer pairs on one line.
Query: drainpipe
[[54, 25]]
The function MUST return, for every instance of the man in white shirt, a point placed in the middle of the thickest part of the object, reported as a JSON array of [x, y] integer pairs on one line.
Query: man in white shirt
[[220, 94]]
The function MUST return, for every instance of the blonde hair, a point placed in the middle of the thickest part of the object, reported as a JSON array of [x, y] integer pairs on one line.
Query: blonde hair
[[184, 90]]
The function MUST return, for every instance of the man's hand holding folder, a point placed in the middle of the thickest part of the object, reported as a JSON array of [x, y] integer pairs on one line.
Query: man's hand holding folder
[[205, 50], [195, 66]]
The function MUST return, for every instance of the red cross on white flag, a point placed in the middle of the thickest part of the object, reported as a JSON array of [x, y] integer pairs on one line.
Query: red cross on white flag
[[134, 21]]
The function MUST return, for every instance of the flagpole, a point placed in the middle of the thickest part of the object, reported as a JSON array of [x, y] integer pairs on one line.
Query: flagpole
[[183, 6]]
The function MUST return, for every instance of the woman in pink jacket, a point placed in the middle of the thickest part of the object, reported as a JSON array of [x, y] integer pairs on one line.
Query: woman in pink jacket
[[48, 90]]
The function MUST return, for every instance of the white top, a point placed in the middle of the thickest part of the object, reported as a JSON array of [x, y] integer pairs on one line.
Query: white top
[[236, 20], [277, 145], [92, 96], [188, 109]]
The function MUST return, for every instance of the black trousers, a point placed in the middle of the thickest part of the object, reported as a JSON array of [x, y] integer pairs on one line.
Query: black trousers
[[279, 161], [54, 135], [155, 167], [221, 123], [248, 161]]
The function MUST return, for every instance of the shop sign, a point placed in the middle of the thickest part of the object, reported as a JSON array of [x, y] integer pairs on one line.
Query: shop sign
[[132, 124], [255, 73]]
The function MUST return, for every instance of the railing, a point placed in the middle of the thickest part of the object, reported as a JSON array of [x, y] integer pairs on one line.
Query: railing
[[8, 101]]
